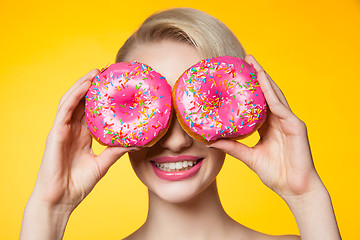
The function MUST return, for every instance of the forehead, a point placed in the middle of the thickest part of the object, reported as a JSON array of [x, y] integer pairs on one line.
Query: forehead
[[169, 58]]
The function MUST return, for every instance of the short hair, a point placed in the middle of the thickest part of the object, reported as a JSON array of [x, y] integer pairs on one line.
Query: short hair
[[208, 35]]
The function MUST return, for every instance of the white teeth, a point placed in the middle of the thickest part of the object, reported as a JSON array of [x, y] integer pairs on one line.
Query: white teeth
[[172, 165], [176, 166]]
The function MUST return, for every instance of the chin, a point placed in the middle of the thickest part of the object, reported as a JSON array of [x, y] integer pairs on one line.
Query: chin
[[179, 191]]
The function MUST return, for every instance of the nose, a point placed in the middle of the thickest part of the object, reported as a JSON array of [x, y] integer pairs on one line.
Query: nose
[[175, 139]]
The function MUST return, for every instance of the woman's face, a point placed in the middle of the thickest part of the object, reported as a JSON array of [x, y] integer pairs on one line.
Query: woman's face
[[171, 59]]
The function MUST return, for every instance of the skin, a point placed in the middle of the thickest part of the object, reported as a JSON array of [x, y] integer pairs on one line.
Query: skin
[[282, 159]]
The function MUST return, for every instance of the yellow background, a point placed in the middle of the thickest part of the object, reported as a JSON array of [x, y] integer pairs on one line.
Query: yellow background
[[310, 48]]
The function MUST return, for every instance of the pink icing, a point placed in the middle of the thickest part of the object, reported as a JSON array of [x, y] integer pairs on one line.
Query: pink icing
[[128, 104], [220, 98]]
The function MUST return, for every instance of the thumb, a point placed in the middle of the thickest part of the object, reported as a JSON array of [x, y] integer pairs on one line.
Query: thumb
[[109, 156], [235, 149]]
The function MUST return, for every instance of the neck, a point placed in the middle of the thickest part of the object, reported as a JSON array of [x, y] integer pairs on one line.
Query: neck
[[202, 217]]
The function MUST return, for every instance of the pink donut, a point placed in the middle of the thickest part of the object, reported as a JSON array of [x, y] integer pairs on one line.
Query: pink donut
[[219, 98], [128, 104]]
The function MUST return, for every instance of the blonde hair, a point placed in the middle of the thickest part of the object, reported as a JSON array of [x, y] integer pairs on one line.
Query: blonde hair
[[207, 34]]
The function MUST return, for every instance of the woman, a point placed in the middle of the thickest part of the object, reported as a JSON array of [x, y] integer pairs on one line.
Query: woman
[[170, 42]]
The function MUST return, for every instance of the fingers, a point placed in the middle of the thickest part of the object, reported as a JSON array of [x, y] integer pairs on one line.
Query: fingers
[[274, 103], [235, 149], [71, 99], [250, 59], [109, 156], [275, 99], [79, 111]]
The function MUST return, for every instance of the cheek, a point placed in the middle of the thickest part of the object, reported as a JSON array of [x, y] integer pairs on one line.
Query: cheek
[[216, 160], [138, 162]]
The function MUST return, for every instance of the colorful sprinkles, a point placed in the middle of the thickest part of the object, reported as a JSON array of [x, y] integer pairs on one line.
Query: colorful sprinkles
[[220, 98], [128, 104]]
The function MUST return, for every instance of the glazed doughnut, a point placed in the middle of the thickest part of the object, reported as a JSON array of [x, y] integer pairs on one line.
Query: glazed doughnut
[[128, 104], [219, 98]]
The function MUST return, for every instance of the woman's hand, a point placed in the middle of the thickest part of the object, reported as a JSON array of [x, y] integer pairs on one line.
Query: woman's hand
[[282, 157], [69, 169]]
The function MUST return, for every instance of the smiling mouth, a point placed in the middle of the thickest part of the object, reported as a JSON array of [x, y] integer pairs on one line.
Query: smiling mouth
[[176, 166]]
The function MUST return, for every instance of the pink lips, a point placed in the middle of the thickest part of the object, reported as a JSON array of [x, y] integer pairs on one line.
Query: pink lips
[[176, 176]]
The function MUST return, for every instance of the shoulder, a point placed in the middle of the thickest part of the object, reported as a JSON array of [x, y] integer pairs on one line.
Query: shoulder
[[263, 236], [283, 237], [248, 233]]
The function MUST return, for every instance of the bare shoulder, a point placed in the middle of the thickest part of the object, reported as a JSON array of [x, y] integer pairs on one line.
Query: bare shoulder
[[236, 231], [263, 236], [283, 237], [248, 233]]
